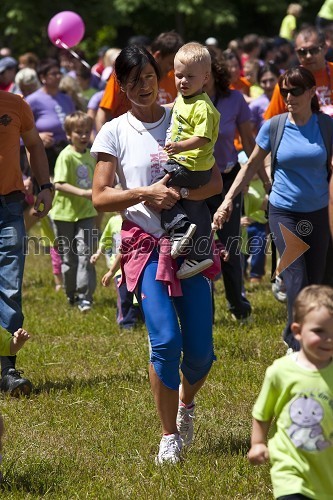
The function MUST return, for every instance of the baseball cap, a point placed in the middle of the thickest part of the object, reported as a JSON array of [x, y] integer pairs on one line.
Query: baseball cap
[[6, 63]]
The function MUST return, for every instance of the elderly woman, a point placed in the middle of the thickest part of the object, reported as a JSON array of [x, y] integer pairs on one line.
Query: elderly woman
[[299, 196], [178, 316]]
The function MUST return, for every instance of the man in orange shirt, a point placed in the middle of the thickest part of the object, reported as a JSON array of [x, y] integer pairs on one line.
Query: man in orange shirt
[[114, 102], [16, 120], [310, 49]]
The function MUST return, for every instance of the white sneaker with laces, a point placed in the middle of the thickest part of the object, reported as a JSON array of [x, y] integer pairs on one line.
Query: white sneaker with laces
[[190, 268], [180, 241], [170, 448], [185, 418]]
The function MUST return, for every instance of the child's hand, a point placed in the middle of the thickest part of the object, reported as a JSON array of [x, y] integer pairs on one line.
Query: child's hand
[[173, 148], [258, 454], [107, 278], [94, 258], [87, 193], [246, 221], [224, 254], [222, 214], [19, 339]]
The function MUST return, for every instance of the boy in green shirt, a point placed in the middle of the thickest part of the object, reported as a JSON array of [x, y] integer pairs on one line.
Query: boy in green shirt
[[194, 131], [298, 393], [73, 212]]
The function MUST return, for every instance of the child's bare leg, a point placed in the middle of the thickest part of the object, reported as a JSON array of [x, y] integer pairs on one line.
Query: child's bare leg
[[19, 339]]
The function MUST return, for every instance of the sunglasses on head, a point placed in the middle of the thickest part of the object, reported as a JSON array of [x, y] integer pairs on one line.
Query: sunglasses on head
[[313, 51], [294, 91]]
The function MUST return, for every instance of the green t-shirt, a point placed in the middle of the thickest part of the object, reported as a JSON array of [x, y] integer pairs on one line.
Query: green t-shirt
[[253, 201], [76, 169], [326, 12], [195, 116], [301, 446], [110, 239], [5, 340], [288, 27]]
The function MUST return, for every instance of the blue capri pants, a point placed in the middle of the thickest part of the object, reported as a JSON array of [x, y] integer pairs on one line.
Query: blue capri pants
[[177, 325]]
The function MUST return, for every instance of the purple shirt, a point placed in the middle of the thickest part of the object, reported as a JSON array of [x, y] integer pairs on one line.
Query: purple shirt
[[95, 100], [50, 112], [234, 111], [258, 108]]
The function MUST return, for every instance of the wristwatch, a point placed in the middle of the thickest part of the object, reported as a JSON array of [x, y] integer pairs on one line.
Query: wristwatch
[[184, 192], [48, 185]]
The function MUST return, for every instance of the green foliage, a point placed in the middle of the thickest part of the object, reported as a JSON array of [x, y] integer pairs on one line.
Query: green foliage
[[23, 24], [90, 429]]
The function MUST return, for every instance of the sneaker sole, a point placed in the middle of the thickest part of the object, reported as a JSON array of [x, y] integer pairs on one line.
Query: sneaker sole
[[189, 233], [195, 270]]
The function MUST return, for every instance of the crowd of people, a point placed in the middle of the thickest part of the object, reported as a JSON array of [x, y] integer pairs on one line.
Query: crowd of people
[[189, 146]]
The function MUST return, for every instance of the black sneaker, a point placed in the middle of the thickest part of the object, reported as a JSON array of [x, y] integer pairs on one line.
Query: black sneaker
[[14, 384]]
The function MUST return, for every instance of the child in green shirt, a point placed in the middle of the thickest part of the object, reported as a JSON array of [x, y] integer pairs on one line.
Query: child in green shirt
[[194, 131], [73, 213], [298, 394]]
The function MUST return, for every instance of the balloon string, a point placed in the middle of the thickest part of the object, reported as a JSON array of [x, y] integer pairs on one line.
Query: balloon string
[[74, 54]]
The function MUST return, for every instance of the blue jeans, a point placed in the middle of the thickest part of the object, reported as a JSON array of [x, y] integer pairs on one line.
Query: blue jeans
[[12, 258], [256, 248], [308, 269]]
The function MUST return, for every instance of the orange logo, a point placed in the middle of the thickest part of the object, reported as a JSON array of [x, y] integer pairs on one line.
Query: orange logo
[[295, 247]]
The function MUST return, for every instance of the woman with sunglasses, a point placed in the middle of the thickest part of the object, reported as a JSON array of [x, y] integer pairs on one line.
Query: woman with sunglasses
[[299, 194]]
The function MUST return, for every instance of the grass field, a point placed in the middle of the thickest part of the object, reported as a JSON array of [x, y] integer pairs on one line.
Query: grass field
[[89, 430]]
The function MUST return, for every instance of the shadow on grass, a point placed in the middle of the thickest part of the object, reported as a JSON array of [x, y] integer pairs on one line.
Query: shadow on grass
[[31, 480], [72, 384], [227, 444]]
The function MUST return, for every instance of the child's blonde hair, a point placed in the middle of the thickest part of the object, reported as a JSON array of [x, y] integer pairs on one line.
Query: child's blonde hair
[[310, 298], [295, 9], [77, 119], [194, 52]]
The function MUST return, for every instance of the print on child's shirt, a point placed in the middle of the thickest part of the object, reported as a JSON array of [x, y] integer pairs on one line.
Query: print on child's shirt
[[83, 179], [306, 431]]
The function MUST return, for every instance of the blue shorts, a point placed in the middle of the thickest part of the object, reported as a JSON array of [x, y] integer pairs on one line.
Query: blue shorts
[[178, 327]]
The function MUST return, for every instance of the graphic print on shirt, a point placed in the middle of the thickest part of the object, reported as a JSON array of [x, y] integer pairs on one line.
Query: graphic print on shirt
[[158, 160], [306, 432], [82, 177]]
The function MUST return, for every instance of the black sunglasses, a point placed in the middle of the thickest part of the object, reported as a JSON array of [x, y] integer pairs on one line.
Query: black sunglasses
[[313, 51], [295, 91]]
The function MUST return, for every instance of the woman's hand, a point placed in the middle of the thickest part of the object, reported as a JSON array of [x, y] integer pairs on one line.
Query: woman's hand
[[222, 214], [160, 197]]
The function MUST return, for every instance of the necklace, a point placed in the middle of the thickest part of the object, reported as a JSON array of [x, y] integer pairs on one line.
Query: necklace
[[146, 129]]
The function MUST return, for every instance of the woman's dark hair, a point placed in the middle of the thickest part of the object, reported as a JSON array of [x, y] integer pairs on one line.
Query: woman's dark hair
[[268, 67], [220, 72], [45, 66], [133, 56], [301, 77]]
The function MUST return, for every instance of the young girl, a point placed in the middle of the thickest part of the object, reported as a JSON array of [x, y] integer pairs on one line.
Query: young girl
[[298, 393]]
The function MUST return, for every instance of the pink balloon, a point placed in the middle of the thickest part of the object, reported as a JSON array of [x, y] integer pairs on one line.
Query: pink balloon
[[67, 27]]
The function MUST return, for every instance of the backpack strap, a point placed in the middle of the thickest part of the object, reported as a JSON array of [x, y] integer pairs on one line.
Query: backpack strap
[[326, 129], [276, 130]]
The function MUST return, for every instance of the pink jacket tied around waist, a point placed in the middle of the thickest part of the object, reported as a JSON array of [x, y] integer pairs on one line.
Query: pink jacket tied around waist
[[136, 248]]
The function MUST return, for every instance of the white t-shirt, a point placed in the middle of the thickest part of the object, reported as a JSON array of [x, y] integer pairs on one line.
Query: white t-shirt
[[138, 147]]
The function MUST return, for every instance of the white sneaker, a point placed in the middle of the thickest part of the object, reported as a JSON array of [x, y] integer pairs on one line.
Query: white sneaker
[[84, 305], [170, 448], [279, 290], [180, 241], [190, 268], [185, 418]]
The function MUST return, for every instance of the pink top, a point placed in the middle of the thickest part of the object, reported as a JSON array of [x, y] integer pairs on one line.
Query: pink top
[[136, 248]]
